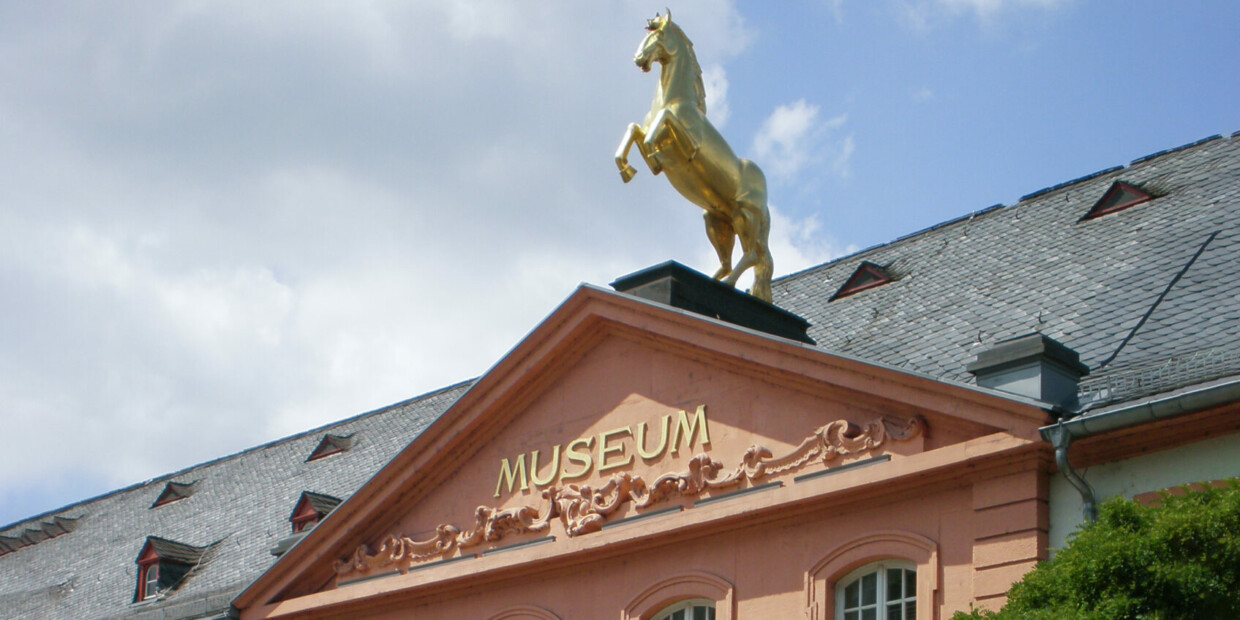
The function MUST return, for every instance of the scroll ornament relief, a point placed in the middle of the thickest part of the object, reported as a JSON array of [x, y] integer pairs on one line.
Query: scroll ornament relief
[[583, 509]]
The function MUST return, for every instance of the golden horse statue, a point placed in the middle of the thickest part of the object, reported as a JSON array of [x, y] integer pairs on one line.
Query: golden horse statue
[[676, 138]]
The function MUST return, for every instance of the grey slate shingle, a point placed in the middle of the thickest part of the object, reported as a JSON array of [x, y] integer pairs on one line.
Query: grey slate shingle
[[959, 287], [239, 508]]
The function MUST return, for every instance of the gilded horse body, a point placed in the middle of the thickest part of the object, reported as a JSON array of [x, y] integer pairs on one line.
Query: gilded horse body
[[676, 138]]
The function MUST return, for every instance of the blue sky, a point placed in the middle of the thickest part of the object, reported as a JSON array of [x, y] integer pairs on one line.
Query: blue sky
[[225, 223]]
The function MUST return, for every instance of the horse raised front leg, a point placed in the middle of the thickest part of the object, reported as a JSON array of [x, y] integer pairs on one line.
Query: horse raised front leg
[[631, 137]]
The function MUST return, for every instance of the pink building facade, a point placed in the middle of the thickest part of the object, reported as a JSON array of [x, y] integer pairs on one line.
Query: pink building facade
[[631, 460]]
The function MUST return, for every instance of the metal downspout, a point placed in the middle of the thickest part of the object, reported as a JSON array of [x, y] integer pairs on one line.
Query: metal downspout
[[1060, 439]]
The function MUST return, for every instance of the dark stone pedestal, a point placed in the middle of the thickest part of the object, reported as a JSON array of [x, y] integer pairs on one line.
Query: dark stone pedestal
[[675, 285]]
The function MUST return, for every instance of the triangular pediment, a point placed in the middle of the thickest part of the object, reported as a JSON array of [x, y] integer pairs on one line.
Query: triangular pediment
[[616, 411]]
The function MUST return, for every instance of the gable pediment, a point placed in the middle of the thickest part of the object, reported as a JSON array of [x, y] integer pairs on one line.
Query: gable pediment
[[614, 410]]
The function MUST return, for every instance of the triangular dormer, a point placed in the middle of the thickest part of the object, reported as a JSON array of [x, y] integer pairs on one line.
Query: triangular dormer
[[163, 566], [331, 444], [310, 509], [620, 431], [1118, 197], [173, 491], [867, 276]]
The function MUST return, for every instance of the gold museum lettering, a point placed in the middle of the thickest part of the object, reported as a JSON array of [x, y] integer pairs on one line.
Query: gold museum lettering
[[606, 451]]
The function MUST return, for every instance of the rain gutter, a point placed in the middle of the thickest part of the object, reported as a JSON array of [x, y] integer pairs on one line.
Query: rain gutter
[[1151, 409]]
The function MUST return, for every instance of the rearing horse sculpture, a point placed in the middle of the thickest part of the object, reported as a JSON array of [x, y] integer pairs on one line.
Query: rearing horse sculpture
[[676, 138]]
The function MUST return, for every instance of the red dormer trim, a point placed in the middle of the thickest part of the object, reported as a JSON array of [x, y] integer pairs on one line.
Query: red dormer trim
[[304, 515], [867, 276], [173, 491], [331, 444], [148, 573], [1120, 196]]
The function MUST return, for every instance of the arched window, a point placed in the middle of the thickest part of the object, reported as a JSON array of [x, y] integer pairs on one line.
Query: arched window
[[150, 582], [885, 590], [692, 595], [692, 609], [860, 567]]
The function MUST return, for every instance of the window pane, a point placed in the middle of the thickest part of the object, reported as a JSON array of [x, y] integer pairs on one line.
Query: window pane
[[910, 583], [893, 612], [699, 612], [869, 614], [894, 580], [710, 613], [869, 589], [679, 615], [852, 595], [852, 615], [910, 610]]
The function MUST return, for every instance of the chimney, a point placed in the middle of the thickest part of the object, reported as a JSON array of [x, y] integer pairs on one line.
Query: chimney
[[1031, 365], [675, 285]]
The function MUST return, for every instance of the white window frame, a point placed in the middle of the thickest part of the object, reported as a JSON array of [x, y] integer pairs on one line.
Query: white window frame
[[881, 567], [150, 581], [689, 604]]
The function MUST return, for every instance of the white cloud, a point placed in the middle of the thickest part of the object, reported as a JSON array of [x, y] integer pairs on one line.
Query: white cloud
[[233, 222], [793, 138], [925, 14], [836, 7]]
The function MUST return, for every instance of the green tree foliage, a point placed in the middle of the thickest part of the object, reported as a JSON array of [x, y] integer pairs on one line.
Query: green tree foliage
[[1179, 559]]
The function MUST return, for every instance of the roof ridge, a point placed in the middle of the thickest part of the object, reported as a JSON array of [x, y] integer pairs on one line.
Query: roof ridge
[[1141, 160], [1047, 190], [262, 446], [1024, 198]]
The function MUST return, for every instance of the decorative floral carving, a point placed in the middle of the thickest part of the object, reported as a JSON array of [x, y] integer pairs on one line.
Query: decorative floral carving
[[583, 509]]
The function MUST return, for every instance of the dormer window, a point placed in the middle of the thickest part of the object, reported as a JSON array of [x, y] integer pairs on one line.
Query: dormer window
[[9, 544], [868, 275], [1120, 196], [174, 491], [310, 509], [331, 444], [163, 565], [58, 526]]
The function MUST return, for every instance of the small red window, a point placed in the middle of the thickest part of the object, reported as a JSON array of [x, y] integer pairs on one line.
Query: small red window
[[305, 524], [331, 444], [310, 509], [1120, 196], [867, 276]]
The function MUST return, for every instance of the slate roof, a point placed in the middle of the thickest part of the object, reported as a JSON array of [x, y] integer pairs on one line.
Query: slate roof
[[1149, 297], [239, 509], [1002, 272]]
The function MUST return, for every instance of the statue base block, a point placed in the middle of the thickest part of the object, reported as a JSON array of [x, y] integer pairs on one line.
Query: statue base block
[[678, 286]]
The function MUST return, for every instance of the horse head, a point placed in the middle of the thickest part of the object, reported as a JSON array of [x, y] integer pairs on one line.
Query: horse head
[[654, 47]]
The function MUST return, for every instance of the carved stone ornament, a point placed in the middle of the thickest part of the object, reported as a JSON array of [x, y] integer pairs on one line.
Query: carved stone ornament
[[582, 509]]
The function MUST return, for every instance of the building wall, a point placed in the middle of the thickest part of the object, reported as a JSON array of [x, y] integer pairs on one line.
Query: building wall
[[1212, 459], [786, 568]]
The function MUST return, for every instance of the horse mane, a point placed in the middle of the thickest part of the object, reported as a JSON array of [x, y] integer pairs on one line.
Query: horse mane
[[698, 87]]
